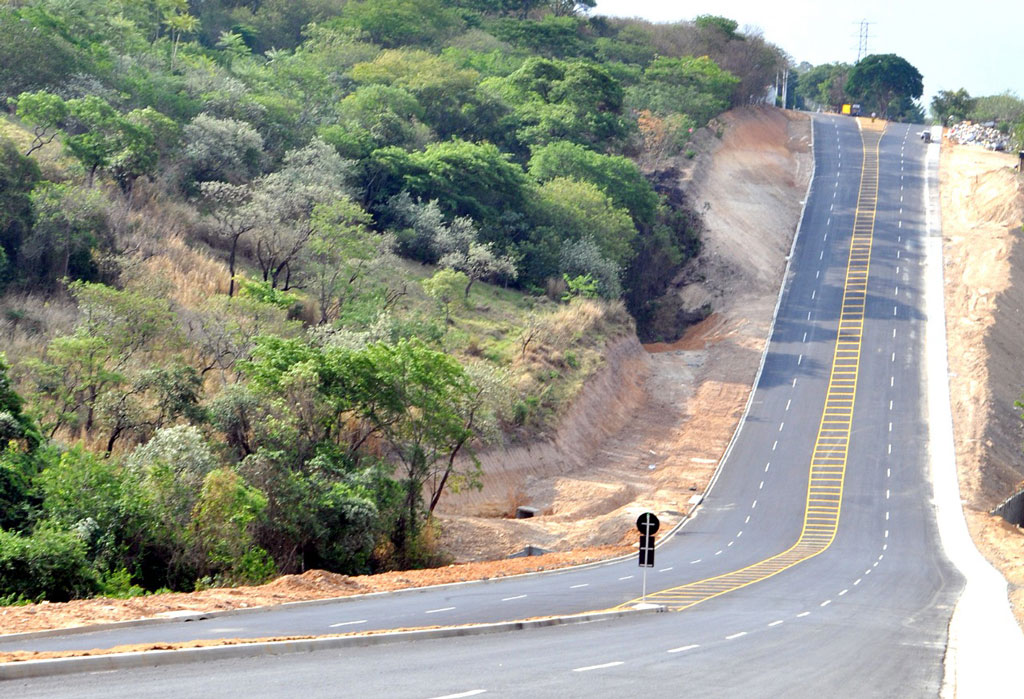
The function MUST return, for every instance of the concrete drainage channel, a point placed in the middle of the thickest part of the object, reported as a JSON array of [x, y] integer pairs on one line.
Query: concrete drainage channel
[[123, 661]]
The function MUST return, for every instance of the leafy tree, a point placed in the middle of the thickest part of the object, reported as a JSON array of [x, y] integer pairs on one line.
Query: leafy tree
[[952, 105], [33, 56], [459, 249], [551, 36], [446, 287], [49, 564], [883, 78], [427, 416], [163, 483], [100, 135], [18, 176], [342, 255], [222, 527], [15, 426], [221, 149], [575, 210], [555, 100], [824, 85], [1005, 108], [69, 222], [394, 23], [452, 104], [82, 492], [582, 260], [390, 116], [179, 22], [716, 24], [697, 87], [562, 8], [78, 370], [45, 112], [146, 137], [284, 202], [19, 501], [618, 177], [467, 179]]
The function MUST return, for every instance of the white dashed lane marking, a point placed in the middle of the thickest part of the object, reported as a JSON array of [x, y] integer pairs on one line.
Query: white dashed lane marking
[[460, 695], [602, 666]]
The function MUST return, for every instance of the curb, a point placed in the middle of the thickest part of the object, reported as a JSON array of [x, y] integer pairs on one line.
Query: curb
[[120, 661]]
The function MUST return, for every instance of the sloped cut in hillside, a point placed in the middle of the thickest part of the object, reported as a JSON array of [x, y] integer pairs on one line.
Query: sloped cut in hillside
[[648, 431], [983, 246]]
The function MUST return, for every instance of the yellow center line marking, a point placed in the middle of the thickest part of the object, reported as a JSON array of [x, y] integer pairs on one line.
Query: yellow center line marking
[[828, 457]]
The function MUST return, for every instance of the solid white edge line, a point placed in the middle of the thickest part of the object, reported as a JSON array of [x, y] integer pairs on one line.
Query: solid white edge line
[[460, 695], [346, 623]]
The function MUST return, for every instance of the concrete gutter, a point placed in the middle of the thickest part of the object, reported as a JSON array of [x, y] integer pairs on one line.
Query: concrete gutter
[[985, 644], [157, 658]]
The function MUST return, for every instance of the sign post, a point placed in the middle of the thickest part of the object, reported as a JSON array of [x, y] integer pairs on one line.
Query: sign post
[[648, 525]]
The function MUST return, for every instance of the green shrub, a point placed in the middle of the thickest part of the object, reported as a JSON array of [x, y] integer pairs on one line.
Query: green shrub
[[50, 564]]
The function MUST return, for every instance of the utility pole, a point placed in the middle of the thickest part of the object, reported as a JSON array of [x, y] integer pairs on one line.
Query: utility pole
[[785, 86]]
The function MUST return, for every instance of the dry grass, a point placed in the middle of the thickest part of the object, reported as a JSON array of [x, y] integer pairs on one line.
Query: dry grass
[[192, 276], [29, 321]]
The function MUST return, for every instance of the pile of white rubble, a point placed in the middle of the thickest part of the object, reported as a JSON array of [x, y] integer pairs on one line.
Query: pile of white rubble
[[968, 132]]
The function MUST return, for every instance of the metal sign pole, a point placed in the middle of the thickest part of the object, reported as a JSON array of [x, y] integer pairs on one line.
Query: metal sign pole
[[648, 525]]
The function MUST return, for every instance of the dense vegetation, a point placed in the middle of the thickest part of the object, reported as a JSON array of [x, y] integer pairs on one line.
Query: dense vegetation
[[273, 269], [884, 84]]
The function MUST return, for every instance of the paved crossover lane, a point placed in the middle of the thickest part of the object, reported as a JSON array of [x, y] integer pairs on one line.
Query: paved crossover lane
[[864, 614]]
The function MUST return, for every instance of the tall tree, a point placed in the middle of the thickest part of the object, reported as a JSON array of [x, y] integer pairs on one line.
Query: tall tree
[[950, 106], [882, 78]]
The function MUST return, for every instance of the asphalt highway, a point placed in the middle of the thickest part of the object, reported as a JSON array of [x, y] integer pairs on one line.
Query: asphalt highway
[[827, 481]]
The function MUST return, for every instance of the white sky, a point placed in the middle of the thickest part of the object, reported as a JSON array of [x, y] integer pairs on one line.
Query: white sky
[[978, 45]]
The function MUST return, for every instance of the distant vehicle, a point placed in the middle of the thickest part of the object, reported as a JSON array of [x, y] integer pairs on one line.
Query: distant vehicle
[[851, 109]]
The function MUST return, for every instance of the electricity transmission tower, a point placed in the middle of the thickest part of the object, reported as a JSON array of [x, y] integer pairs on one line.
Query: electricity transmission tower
[[862, 39]]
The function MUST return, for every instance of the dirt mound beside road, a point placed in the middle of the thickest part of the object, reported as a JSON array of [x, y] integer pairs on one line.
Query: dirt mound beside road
[[983, 247]]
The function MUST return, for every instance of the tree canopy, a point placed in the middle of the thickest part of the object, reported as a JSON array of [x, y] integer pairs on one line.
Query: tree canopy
[[882, 80]]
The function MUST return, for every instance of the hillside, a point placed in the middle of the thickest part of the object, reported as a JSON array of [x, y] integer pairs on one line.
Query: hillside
[[273, 274]]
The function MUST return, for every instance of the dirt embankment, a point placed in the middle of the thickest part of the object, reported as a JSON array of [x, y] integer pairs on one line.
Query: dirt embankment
[[982, 208], [646, 433]]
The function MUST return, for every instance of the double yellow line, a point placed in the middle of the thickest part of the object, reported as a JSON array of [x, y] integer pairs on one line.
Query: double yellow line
[[831, 448]]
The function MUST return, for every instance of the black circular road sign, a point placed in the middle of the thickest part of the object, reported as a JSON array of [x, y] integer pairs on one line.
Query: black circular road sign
[[647, 523]]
